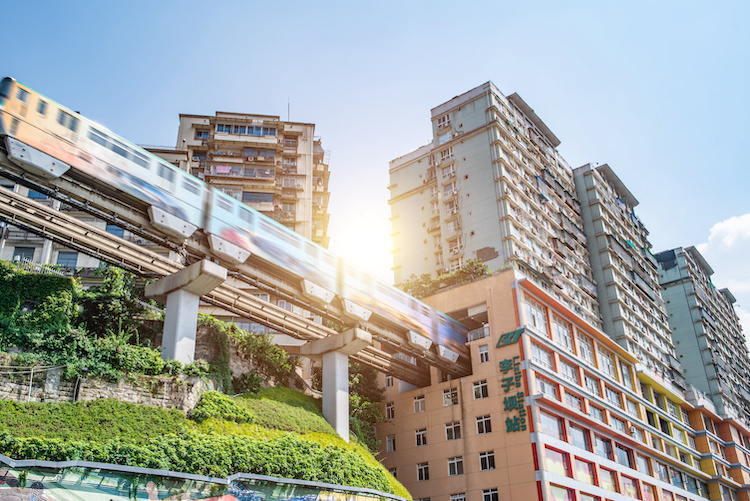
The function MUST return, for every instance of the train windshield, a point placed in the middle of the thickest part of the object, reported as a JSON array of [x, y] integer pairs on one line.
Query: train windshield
[[5, 86]]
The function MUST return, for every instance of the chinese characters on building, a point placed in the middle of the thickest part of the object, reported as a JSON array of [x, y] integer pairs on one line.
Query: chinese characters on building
[[511, 368]]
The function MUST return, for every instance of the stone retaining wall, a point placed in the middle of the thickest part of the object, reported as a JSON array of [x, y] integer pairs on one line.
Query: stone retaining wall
[[48, 386]]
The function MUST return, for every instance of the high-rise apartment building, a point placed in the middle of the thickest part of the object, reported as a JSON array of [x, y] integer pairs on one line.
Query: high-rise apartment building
[[626, 273], [278, 168], [554, 409], [491, 186], [706, 330]]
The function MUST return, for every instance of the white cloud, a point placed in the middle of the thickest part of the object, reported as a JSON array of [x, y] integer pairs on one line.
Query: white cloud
[[728, 252]]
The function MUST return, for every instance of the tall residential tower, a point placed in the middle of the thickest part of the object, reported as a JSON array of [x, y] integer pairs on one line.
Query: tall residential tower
[[626, 274], [706, 330], [491, 186]]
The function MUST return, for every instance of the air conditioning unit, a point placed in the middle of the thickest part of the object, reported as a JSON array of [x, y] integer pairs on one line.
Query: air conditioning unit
[[632, 431], [251, 159], [196, 159]]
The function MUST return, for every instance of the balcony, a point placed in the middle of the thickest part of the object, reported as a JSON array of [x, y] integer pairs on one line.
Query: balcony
[[481, 332], [242, 172]]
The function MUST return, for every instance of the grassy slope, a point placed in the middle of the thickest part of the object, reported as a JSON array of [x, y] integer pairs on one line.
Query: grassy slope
[[282, 416]]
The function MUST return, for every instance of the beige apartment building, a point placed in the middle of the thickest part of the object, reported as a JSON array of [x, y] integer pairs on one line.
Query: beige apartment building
[[554, 410]]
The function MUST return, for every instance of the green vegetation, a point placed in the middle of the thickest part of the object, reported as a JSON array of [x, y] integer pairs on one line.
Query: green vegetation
[[425, 285], [100, 333], [99, 420], [299, 443]]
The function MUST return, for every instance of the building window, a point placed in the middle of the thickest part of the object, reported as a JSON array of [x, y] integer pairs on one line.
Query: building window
[[586, 348], [536, 315], [450, 189], [388, 381], [201, 134], [629, 487], [487, 460], [596, 413], [419, 404], [392, 471], [390, 410], [603, 447], [542, 356], [618, 424], [458, 497], [450, 397], [480, 389], [563, 332], [624, 455], [21, 253], [627, 376], [546, 387], [557, 462], [584, 471], [579, 437], [552, 425], [421, 436], [613, 397], [574, 401], [484, 424], [444, 138], [569, 372], [484, 354], [390, 443], [592, 385], [456, 466], [68, 259], [662, 472], [490, 495], [423, 471], [453, 430], [643, 464], [607, 362], [444, 121]]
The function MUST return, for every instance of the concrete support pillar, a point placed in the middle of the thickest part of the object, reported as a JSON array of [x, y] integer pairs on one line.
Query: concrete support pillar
[[182, 291], [180, 326], [336, 391], [335, 351]]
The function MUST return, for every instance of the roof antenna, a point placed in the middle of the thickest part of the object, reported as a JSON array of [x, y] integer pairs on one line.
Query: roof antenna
[[288, 110]]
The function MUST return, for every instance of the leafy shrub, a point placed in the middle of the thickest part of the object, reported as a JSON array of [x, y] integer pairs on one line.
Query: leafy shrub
[[199, 368], [248, 382], [217, 405]]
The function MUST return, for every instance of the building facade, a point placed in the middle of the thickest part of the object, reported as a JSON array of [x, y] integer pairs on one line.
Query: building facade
[[626, 273], [554, 410], [707, 331], [278, 168], [491, 186]]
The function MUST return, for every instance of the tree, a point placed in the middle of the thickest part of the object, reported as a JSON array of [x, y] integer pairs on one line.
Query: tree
[[424, 285]]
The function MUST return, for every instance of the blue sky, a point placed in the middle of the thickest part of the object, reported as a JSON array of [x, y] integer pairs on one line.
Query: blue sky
[[655, 89]]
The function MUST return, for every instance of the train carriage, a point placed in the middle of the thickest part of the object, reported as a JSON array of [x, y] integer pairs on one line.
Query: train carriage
[[58, 139]]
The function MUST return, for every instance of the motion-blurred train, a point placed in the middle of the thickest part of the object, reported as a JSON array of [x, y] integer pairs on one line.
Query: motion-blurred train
[[48, 140]]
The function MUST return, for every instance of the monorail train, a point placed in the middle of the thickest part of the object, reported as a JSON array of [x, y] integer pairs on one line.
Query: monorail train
[[48, 140]]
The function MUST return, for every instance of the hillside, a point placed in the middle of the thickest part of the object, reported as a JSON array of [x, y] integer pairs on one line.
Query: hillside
[[99, 334], [278, 432]]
